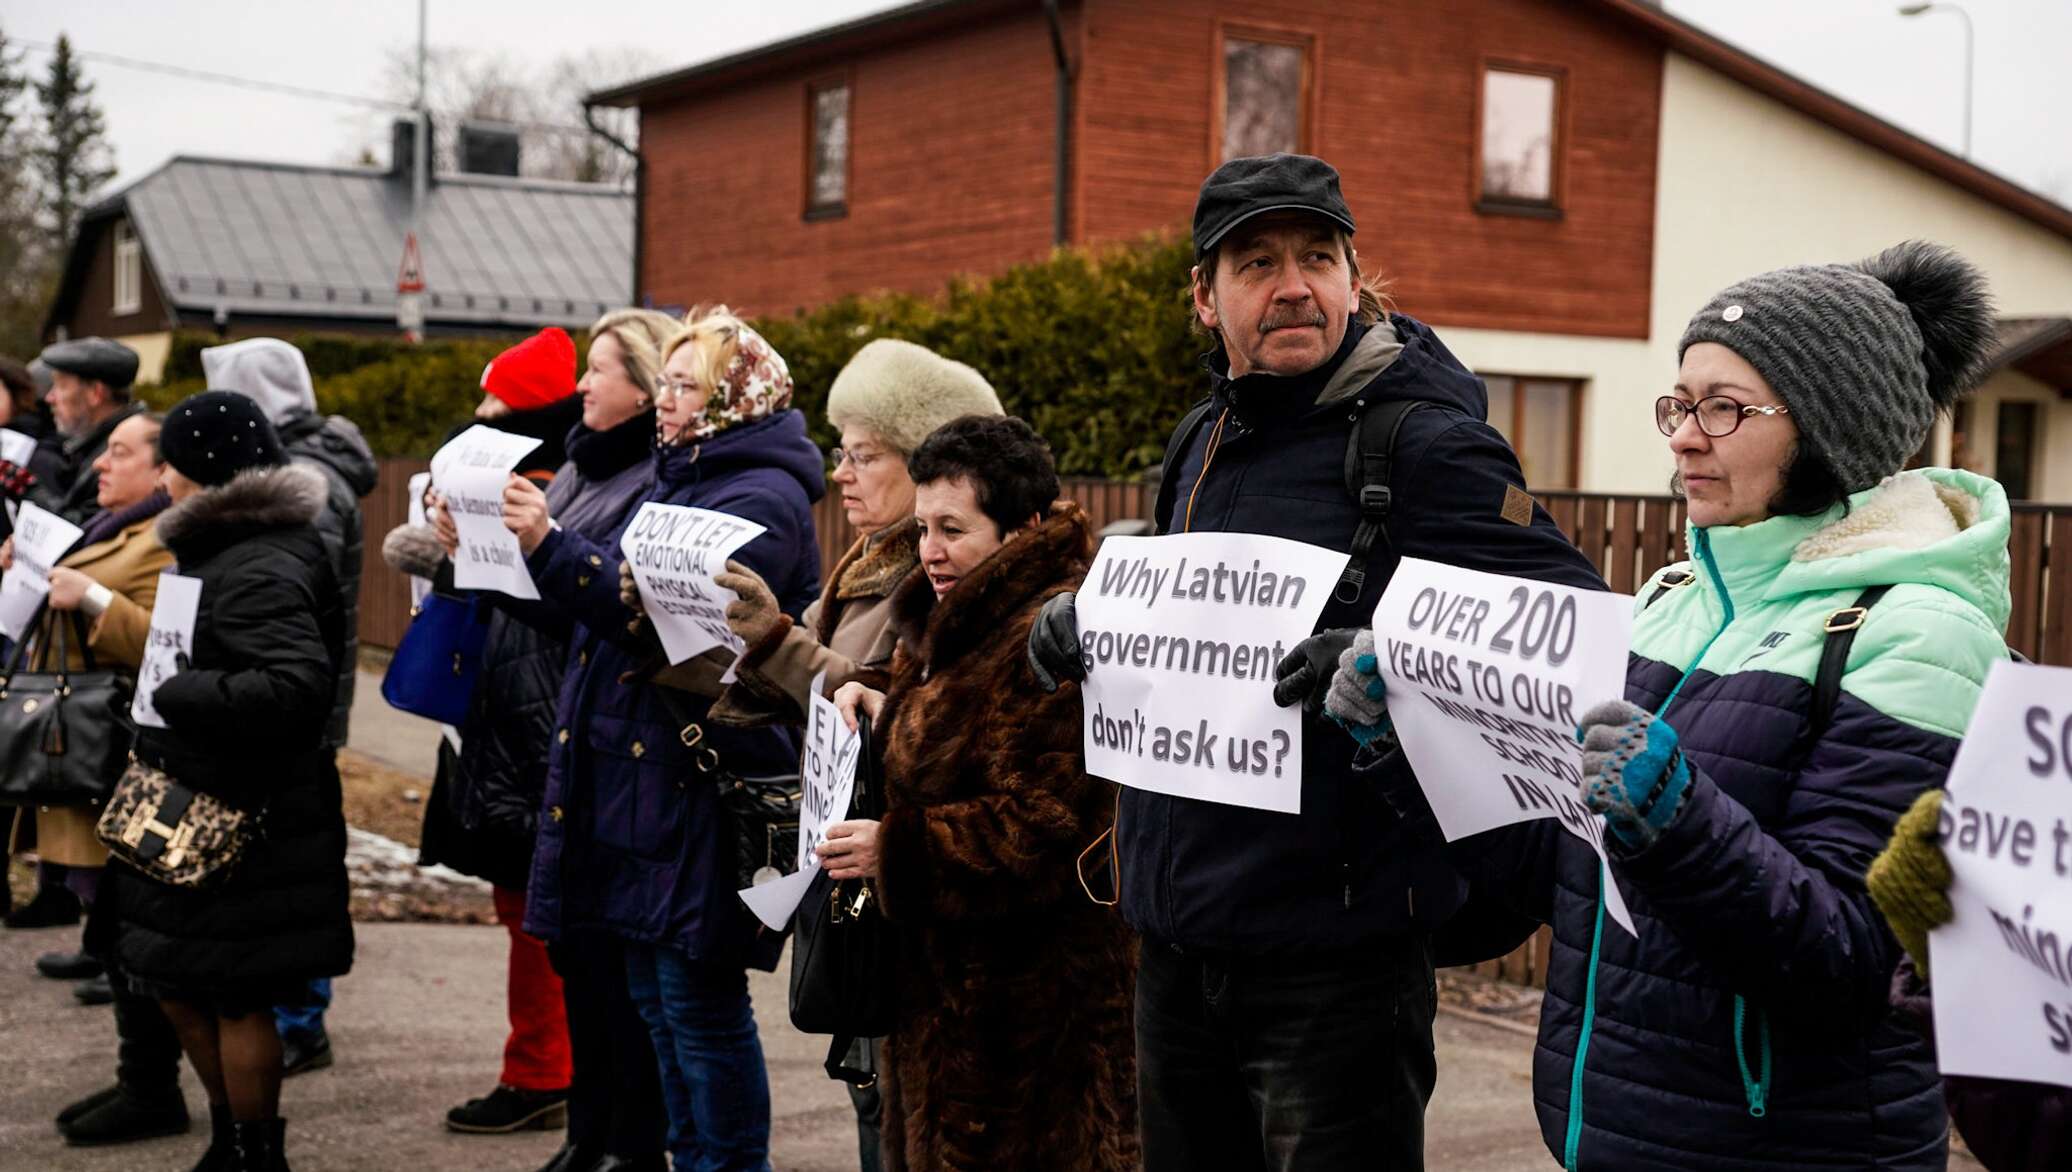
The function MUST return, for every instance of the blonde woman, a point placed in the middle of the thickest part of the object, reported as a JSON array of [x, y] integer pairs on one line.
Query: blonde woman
[[615, 1107], [635, 857]]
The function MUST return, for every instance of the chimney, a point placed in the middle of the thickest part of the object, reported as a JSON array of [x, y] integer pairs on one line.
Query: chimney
[[402, 141], [489, 148]]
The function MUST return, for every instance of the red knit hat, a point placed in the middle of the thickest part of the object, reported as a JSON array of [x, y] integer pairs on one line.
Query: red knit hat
[[537, 372]]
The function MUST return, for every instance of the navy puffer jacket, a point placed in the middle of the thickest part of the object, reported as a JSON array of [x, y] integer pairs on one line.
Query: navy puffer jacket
[[1748, 1026]]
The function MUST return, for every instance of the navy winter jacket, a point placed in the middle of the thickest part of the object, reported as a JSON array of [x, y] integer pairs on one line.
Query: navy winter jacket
[[1208, 877], [631, 840], [1748, 1026]]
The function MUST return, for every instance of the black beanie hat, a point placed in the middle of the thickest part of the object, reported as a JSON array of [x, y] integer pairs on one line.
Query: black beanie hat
[[211, 437]]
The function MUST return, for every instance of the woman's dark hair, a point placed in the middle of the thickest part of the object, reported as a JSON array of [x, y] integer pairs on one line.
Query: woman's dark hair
[[20, 385], [1810, 487], [1008, 464]]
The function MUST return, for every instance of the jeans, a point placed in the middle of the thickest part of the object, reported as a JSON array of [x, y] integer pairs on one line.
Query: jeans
[[710, 1057], [614, 1092], [305, 1021], [1278, 1064]]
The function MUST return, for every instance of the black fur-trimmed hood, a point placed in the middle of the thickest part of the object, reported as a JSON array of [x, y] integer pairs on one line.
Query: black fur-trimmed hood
[[258, 500]]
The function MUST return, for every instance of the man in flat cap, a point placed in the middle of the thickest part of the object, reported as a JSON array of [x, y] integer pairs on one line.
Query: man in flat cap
[[1284, 985], [89, 394]]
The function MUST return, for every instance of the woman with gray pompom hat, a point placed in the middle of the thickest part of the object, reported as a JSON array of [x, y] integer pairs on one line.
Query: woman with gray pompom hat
[[1752, 770]]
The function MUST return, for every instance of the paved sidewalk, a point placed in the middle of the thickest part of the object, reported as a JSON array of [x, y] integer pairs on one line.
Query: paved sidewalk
[[419, 1025]]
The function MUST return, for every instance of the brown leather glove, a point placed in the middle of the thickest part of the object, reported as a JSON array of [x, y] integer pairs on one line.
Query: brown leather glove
[[755, 614]]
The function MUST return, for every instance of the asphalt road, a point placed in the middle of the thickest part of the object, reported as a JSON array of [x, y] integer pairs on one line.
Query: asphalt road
[[418, 1027]]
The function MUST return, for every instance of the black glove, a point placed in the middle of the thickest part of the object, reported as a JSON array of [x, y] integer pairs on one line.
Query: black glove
[[1054, 643], [1304, 675]]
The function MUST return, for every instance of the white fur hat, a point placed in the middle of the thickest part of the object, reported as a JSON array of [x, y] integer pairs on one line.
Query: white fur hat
[[901, 392]]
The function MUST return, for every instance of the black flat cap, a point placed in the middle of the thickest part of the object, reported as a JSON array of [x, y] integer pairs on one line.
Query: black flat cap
[[1243, 188], [97, 359]]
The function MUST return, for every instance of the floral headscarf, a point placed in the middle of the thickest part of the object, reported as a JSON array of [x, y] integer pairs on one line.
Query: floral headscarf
[[754, 384]]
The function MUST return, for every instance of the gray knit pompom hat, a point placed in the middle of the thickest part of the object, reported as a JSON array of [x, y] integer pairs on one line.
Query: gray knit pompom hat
[[1863, 354]]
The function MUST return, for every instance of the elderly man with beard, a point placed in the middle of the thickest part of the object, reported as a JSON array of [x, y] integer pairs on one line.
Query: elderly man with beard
[[89, 394], [1284, 987]]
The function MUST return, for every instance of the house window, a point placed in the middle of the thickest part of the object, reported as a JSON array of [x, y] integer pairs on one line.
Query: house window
[[1265, 99], [827, 150], [1519, 153], [1541, 417], [129, 270], [2014, 449]]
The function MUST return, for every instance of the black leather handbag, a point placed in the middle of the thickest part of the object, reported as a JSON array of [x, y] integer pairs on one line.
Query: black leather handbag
[[64, 735], [843, 949]]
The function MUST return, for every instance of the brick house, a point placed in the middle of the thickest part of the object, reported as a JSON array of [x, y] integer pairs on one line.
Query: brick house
[[1555, 183]]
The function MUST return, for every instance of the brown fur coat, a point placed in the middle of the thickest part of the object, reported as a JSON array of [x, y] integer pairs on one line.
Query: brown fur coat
[[1014, 1047]]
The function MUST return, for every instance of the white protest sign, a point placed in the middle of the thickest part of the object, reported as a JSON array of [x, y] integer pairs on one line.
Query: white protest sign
[[2001, 969], [827, 777], [419, 587], [471, 471], [171, 636], [1180, 635], [675, 552], [1486, 675], [40, 539], [16, 448]]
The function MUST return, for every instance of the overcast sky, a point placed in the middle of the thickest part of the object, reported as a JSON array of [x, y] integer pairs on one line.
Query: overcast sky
[[1910, 71]]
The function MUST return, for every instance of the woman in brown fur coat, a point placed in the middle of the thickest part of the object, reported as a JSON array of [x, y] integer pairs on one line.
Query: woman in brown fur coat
[[1013, 1048]]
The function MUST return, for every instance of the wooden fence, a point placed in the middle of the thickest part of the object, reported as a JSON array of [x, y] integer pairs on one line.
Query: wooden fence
[[1627, 538]]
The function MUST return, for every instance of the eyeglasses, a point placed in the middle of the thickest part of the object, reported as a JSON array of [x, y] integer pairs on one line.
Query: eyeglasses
[[1717, 415], [857, 460], [665, 389]]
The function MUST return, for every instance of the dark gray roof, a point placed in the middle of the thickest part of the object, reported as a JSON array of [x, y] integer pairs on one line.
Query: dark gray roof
[[277, 239]]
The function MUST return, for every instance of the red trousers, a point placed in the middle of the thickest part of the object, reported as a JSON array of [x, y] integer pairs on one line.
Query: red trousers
[[536, 1056]]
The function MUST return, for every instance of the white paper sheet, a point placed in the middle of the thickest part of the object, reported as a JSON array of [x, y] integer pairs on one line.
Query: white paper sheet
[[2001, 969], [827, 774], [171, 636], [471, 471], [1180, 636], [40, 539], [675, 553], [16, 448], [1486, 676]]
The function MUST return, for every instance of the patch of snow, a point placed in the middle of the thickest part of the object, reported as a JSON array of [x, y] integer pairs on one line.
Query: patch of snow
[[374, 860]]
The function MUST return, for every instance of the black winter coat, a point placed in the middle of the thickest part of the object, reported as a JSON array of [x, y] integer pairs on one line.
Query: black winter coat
[[1212, 877], [245, 723], [333, 445]]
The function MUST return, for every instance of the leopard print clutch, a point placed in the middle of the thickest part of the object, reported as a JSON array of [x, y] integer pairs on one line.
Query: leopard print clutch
[[169, 832]]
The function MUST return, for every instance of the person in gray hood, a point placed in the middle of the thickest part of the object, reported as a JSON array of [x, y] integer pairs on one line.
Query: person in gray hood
[[273, 374]]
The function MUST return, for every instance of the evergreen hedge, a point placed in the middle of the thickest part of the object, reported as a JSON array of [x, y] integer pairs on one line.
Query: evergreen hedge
[[1092, 347]]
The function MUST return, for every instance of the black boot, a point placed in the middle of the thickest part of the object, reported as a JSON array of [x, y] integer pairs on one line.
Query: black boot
[[68, 966], [572, 1157], [124, 1115], [258, 1146], [220, 1157], [53, 907]]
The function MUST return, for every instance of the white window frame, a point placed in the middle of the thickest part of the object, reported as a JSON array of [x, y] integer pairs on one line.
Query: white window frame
[[129, 270]]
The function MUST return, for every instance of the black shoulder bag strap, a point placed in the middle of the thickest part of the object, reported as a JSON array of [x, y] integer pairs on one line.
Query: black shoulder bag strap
[[1840, 628], [1670, 581], [1176, 450], [1369, 452]]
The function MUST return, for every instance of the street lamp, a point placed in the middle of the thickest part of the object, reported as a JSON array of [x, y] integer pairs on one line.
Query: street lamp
[[1919, 9]]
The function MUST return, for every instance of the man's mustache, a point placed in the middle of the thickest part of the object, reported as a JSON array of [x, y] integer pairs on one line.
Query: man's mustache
[[1291, 318]]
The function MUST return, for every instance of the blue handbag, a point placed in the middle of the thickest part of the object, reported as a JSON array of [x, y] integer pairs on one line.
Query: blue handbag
[[433, 672]]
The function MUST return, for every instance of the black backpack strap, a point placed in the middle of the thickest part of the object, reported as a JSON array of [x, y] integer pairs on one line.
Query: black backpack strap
[[1841, 627], [1176, 449], [1669, 581], [1368, 453]]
